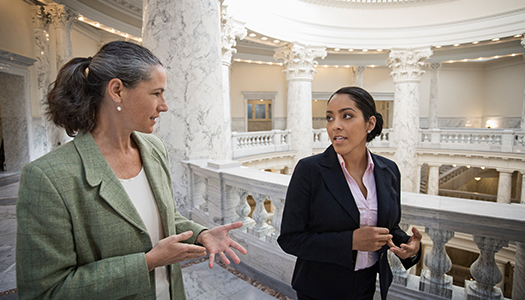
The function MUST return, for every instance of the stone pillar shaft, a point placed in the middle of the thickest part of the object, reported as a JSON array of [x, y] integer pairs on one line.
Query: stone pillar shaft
[[433, 180], [299, 63], [407, 70], [504, 186], [360, 70], [434, 99], [185, 35]]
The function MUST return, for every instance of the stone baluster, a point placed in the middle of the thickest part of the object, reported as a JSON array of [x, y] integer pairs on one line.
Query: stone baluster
[[230, 30], [276, 219], [407, 69], [518, 285], [299, 62], [62, 18], [434, 280], [205, 195], [399, 272], [504, 186], [243, 209], [485, 271], [260, 216]]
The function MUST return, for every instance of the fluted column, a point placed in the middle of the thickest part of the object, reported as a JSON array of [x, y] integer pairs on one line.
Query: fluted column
[[433, 179], [299, 62], [230, 30], [407, 69], [62, 18], [185, 35], [504, 186], [43, 69], [360, 71], [434, 99], [434, 280], [485, 271]]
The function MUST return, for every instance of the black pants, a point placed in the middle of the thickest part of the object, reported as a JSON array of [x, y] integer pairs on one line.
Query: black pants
[[363, 286]]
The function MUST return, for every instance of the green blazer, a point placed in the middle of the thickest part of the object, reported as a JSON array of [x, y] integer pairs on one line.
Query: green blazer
[[80, 237]]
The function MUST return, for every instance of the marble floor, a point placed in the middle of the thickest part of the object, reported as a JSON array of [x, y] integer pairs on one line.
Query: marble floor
[[220, 283]]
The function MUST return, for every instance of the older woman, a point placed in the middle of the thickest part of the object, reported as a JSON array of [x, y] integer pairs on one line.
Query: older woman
[[343, 209], [96, 216]]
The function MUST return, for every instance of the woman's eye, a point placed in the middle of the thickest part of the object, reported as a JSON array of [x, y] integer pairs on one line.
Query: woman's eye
[[347, 116], [328, 118]]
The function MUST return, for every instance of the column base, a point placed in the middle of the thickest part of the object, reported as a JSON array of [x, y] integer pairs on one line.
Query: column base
[[272, 238], [246, 223], [436, 286], [474, 292]]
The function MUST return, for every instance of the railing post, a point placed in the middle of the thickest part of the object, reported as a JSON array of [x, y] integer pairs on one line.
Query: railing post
[[260, 216], [278, 202], [434, 280], [398, 271], [243, 209], [507, 140], [485, 271]]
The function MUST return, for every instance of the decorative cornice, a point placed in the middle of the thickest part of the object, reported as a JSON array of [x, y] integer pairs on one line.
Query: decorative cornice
[[299, 60], [61, 15], [407, 64], [230, 30], [12, 58]]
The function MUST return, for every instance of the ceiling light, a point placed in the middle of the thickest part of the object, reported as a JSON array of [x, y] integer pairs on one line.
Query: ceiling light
[[481, 58], [365, 50], [264, 38], [336, 49], [465, 60], [347, 66], [438, 46], [513, 54], [454, 165], [80, 18], [126, 35], [97, 25], [475, 42], [477, 178], [495, 39], [483, 168], [253, 34], [496, 57], [450, 61], [325, 66], [112, 30], [379, 50], [276, 41], [517, 35], [336, 66], [140, 40], [468, 167], [350, 50], [455, 45]]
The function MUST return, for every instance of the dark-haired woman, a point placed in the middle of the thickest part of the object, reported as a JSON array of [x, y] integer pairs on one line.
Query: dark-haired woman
[[96, 216], [343, 209]]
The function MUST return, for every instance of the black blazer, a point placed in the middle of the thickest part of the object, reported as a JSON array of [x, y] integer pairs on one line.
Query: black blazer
[[320, 215]]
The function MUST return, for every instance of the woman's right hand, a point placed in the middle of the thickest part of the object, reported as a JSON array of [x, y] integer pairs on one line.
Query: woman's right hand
[[370, 238], [170, 250]]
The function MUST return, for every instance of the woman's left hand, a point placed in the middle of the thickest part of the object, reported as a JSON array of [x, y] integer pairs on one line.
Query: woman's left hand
[[411, 248], [217, 241]]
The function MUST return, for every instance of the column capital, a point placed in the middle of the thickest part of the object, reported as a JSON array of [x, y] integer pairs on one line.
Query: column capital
[[40, 17], [407, 64], [436, 66], [299, 60], [360, 69], [230, 30], [61, 15]]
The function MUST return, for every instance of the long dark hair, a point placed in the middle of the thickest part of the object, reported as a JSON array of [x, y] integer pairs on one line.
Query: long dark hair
[[366, 104], [80, 85]]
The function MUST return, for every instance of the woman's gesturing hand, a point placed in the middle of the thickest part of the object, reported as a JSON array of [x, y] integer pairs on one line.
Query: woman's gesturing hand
[[370, 238], [170, 250], [217, 241], [411, 248]]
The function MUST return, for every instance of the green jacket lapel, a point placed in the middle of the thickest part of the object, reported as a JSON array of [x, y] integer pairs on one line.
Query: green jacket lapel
[[99, 173]]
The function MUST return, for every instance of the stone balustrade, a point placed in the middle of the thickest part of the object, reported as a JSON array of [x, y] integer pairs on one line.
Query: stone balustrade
[[260, 142], [218, 193]]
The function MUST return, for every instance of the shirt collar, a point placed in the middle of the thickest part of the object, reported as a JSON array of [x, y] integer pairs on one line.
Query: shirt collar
[[370, 165]]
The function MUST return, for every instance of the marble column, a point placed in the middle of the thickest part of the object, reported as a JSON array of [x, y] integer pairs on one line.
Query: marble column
[[230, 30], [518, 285], [433, 179], [435, 280], [485, 271], [62, 18], [42, 65], [434, 99], [407, 69], [186, 36], [299, 62], [523, 108], [360, 71], [504, 186]]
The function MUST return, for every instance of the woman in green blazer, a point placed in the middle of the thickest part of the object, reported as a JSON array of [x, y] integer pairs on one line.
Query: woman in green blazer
[[81, 233]]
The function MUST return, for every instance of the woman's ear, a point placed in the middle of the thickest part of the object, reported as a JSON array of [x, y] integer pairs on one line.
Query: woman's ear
[[115, 88], [371, 124]]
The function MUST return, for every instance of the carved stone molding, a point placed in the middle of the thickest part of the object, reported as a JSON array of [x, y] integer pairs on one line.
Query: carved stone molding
[[407, 64], [299, 60], [230, 30], [40, 17], [61, 15]]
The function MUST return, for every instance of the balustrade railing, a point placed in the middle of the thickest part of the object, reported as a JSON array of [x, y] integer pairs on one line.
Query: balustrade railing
[[260, 142], [493, 226]]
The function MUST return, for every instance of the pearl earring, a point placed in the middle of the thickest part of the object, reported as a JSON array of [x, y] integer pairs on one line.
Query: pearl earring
[[368, 131], [119, 108]]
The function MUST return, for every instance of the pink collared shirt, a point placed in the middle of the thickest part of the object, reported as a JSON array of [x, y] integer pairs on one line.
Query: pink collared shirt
[[367, 207]]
